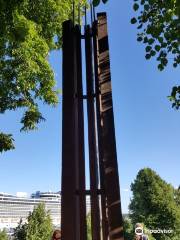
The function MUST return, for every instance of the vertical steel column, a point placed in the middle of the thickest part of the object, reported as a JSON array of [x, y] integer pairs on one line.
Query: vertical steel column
[[70, 210], [95, 215], [99, 133], [108, 135], [82, 185]]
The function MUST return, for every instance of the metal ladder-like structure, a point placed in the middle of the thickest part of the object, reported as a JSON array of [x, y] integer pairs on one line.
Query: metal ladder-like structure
[[104, 192]]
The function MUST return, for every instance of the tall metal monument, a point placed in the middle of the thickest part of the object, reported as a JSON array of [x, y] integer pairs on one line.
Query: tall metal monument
[[104, 192]]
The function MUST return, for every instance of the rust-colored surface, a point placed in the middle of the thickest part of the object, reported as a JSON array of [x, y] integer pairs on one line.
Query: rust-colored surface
[[106, 215], [111, 177], [93, 164], [104, 222], [69, 208], [81, 153]]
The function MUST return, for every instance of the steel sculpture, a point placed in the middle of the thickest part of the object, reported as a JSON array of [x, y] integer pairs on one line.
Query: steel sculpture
[[104, 192]]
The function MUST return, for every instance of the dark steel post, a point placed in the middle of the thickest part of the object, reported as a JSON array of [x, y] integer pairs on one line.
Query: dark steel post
[[82, 181], [70, 209], [95, 215], [108, 135], [99, 133], [101, 130]]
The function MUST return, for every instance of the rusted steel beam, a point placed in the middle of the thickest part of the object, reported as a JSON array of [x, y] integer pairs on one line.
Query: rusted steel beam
[[88, 192], [104, 222], [70, 205], [81, 158], [108, 134], [95, 215]]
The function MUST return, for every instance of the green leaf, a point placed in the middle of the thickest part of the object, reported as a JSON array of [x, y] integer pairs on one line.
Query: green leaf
[[153, 53], [6, 142], [148, 56], [96, 3], [148, 48], [157, 48], [136, 7], [160, 67], [146, 7], [31, 118], [174, 90], [151, 41], [139, 39], [140, 26], [145, 40], [164, 61], [133, 20], [104, 1], [160, 39], [164, 45]]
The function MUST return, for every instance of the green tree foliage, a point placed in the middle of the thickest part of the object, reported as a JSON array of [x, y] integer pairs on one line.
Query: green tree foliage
[[129, 230], [177, 196], [97, 2], [153, 203], [20, 231], [89, 235], [38, 226], [6, 142], [29, 30], [158, 24], [3, 235]]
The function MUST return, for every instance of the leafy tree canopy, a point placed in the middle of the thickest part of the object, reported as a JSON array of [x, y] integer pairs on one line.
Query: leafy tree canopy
[[38, 226], [177, 196], [128, 229], [29, 30], [153, 203], [158, 24], [89, 235], [20, 231], [3, 235]]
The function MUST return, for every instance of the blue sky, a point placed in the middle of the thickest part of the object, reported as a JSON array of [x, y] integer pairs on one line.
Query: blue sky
[[147, 128]]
